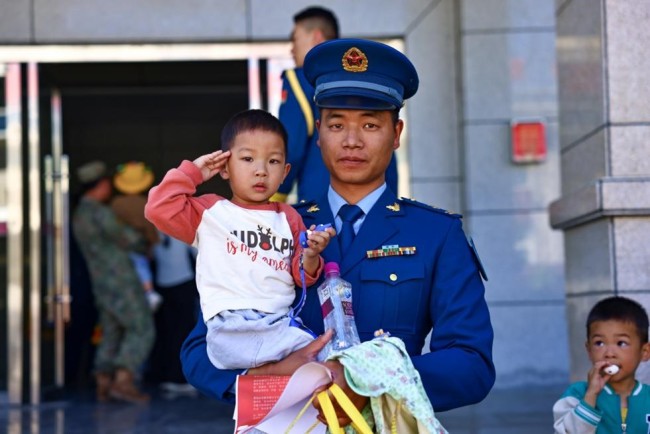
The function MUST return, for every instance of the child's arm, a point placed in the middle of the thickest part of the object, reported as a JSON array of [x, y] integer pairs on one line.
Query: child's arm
[[572, 416], [576, 411], [171, 206], [313, 262]]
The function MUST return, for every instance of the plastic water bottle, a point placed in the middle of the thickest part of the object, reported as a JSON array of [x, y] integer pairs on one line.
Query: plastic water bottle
[[335, 295]]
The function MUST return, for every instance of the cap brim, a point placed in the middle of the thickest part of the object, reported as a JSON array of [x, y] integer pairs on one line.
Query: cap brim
[[354, 103], [358, 99]]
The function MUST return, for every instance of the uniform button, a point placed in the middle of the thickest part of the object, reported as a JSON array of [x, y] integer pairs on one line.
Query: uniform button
[[393, 277]]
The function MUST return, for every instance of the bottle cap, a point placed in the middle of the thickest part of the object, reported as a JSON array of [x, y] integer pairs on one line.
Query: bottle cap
[[332, 267]]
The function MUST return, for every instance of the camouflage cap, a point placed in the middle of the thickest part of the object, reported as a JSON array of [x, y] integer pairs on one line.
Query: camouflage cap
[[91, 172]]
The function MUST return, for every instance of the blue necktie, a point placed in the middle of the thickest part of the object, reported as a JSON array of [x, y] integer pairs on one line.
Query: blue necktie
[[349, 214]]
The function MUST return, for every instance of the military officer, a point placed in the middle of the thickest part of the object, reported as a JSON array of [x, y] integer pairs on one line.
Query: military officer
[[411, 267], [298, 112]]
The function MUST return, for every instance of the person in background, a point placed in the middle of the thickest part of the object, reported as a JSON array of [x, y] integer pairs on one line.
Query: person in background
[[174, 277], [610, 401], [411, 267], [124, 316], [132, 180], [298, 113], [250, 255]]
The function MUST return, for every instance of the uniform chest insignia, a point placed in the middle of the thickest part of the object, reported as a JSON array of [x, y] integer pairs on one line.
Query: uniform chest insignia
[[313, 208], [392, 250], [394, 207]]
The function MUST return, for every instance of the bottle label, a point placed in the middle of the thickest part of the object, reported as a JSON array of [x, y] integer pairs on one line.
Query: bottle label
[[327, 306], [347, 308]]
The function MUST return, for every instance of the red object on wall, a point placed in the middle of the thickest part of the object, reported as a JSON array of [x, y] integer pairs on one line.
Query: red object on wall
[[528, 141]]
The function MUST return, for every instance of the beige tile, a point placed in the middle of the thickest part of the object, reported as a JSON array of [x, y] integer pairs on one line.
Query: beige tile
[[506, 14], [588, 249], [584, 163], [128, 21], [632, 238], [15, 21], [628, 39], [580, 70], [519, 266], [630, 151]]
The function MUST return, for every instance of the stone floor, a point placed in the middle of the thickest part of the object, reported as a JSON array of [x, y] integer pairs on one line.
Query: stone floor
[[504, 412]]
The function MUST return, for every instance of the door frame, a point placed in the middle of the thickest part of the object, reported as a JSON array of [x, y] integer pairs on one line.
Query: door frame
[[22, 67]]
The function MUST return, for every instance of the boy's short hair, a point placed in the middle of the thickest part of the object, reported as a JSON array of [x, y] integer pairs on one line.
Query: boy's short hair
[[251, 120], [317, 17], [620, 309]]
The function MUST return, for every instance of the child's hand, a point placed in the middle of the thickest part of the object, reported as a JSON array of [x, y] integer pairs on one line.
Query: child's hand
[[596, 380], [317, 241], [211, 164]]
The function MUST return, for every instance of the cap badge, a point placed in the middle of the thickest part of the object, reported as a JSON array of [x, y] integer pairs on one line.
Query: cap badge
[[354, 60]]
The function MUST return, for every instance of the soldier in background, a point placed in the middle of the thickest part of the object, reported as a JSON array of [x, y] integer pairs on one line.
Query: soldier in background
[[124, 315], [298, 113]]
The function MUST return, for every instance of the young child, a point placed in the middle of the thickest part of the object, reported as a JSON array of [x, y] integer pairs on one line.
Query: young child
[[248, 248], [611, 400]]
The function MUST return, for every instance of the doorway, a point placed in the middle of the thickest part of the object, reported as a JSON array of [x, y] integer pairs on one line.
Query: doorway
[[158, 111]]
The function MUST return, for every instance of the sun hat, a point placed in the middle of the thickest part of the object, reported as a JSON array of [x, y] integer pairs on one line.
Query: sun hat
[[133, 177]]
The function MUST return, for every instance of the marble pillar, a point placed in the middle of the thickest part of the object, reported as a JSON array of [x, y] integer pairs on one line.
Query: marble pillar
[[603, 57]]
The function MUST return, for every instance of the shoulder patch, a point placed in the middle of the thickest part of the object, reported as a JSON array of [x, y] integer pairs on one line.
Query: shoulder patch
[[407, 201], [477, 258]]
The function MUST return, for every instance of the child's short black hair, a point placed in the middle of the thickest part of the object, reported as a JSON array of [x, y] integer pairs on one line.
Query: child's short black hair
[[620, 309], [251, 120]]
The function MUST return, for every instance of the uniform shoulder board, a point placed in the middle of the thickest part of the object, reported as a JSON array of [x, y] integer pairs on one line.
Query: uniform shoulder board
[[304, 205], [408, 201]]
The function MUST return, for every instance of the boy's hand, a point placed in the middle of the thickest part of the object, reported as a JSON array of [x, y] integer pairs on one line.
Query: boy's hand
[[596, 380], [317, 241], [211, 164]]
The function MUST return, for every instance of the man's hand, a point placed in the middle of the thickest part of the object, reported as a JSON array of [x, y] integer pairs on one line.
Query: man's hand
[[211, 164], [338, 377], [295, 360]]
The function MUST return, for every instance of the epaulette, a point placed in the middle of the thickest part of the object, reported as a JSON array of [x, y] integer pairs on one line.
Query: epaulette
[[407, 201], [305, 205]]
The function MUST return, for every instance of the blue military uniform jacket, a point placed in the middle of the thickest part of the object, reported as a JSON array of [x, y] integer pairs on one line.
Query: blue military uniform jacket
[[298, 114], [439, 287]]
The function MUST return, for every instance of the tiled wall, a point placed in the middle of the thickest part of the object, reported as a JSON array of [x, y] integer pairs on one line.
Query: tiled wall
[[508, 72]]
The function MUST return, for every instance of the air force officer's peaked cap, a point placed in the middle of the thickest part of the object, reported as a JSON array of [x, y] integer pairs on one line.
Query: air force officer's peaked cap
[[359, 74]]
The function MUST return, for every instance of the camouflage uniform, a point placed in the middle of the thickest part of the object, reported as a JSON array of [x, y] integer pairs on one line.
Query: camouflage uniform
[[124, 315]]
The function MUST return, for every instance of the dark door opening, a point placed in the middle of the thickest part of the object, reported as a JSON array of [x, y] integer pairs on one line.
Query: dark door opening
[[159, 113]]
